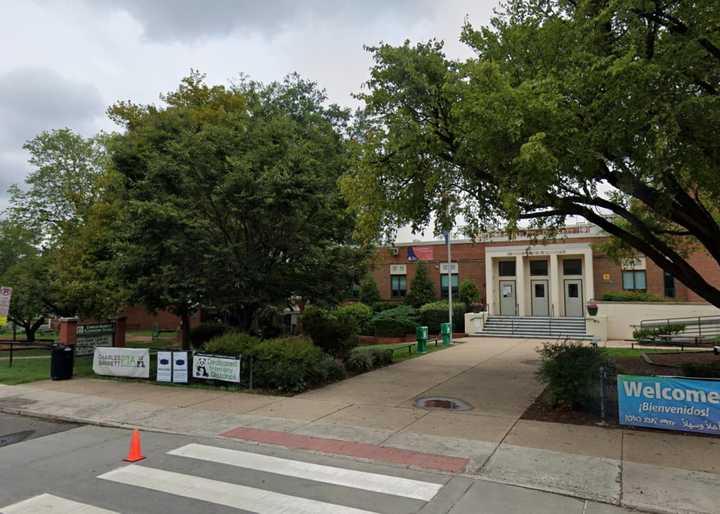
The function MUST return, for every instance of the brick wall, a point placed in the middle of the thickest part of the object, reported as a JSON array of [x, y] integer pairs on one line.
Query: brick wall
[[471, 262], [139, 318]]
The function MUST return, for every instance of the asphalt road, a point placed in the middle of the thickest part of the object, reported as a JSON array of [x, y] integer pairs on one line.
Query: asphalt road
[[61, 468]]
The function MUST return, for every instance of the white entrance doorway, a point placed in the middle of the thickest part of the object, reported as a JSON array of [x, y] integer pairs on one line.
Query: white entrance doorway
[[539, 292], [573, 297], [508, 299]]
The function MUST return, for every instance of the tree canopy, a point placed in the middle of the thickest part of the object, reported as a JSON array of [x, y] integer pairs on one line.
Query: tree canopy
[[607, 110], [232, 198]]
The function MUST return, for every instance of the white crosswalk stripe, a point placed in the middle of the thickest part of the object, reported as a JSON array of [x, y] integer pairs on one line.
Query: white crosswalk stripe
[[49, 504], [374, 482], [222, 493]]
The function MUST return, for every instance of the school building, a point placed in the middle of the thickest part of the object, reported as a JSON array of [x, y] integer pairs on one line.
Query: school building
[[532, 282]]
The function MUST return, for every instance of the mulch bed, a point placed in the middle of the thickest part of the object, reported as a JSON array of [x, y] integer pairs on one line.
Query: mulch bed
[[675, 360], [665, 364]]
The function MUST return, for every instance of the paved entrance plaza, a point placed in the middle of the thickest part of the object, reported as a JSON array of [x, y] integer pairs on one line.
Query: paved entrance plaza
[[373, 417]]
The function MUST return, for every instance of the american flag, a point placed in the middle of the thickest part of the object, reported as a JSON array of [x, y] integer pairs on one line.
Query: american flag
[[420, 253]]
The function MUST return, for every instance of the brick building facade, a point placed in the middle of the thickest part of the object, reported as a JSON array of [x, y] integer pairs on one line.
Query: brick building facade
[[529, 276]]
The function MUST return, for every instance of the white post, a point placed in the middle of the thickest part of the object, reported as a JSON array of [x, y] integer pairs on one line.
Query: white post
[[450, 300]]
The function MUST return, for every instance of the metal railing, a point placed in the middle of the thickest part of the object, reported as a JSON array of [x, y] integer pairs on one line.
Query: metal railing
[[694, 329]]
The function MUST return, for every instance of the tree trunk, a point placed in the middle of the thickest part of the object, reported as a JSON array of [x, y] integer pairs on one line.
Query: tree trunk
[[30, 332], [185, 330]]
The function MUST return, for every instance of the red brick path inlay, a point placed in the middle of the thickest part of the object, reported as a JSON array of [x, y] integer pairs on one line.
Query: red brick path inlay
[[348, 448]]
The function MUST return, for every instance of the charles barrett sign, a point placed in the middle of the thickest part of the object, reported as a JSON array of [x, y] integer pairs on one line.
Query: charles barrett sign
[[122, 362], [670, 403]]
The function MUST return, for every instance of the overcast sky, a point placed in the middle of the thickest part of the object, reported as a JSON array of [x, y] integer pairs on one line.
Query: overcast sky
[[64, 61]]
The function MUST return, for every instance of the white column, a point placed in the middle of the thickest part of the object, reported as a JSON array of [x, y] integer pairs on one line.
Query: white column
[[555, 286], [520, 284], [588, 275], [489, 285]]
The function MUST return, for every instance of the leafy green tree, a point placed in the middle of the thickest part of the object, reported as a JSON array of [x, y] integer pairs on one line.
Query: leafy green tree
[[68, 212], [596, 109], [16, 242], [422, 289], [31, 300], [369, 292], [232, 198], [469, 293], [63, 185]]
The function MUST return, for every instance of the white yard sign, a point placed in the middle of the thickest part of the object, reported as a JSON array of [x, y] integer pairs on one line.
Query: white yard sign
[[122, 362], [216, 367], [5, 296]]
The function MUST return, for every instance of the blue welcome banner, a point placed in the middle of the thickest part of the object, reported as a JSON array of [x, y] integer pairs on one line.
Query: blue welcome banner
[[669, 403]]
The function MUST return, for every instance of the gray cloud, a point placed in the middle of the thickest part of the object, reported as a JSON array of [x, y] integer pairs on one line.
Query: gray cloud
[[186, 20], [33, 100]]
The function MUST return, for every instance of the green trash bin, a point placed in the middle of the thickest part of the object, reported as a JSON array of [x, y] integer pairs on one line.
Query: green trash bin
[[446, 333], [421, 334]]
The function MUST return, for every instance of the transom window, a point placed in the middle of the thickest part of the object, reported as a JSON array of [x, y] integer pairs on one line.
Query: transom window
[[506, 268], [539, 268], [572, 266], [444, 286], [398, 286]]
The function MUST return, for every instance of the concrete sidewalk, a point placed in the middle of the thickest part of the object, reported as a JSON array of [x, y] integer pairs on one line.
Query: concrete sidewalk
[[373, 417]]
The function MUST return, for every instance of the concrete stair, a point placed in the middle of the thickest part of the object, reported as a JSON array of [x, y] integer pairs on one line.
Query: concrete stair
[[535, 327]]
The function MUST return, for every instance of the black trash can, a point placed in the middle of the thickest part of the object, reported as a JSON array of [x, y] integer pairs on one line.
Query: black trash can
[[61, 362]]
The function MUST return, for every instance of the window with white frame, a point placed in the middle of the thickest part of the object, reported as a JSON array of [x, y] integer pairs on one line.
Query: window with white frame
[[634, 274]]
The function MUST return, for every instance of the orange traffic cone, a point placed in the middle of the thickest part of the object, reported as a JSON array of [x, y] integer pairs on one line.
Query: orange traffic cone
[[135, 453]]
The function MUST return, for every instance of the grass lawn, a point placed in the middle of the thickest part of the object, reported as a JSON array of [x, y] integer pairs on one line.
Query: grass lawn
[[148, 333], [401, 352], [31, 370]]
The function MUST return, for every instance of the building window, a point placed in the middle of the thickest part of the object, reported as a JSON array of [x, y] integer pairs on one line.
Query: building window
[[669, 285], [506, 268], [539, 268], [572, 267], [634, 280], [398, 285], [444, 286]]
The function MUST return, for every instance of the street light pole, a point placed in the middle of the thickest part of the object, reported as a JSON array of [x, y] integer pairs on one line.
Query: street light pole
[[448, 237]]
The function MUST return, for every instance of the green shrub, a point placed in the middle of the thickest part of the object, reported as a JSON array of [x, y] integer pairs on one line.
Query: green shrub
[[630, 296], [399, 311], [392, 327], [332, 331], [571, 371], [382, 357], [231, 343], [369, 293], [433, 314], [422, 289], [469, 293], [652, 333], [707, 370], [360, 313], [395, 322], [326, 370], [291, 364], [383, 306], [206, 331], [359, 362]]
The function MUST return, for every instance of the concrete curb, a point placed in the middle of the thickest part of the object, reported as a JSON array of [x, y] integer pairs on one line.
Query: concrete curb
[[126, 426]]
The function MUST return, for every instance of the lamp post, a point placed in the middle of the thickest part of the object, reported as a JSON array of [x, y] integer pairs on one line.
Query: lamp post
[[449, 273]]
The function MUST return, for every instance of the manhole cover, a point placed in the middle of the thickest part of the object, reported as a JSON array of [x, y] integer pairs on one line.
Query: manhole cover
[[440, 402]]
